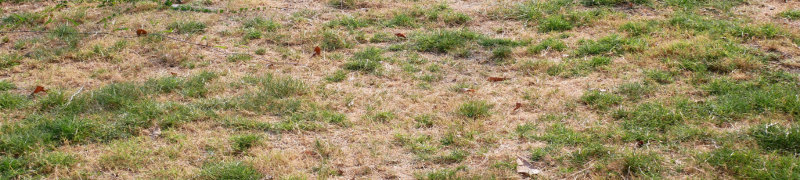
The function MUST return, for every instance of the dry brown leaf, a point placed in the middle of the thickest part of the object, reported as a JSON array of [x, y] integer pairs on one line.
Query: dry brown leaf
[[173, 74], [525, 168], [516, 107], [141, 32], [317, 51], [400, 35], [497, 79], [38, 89]]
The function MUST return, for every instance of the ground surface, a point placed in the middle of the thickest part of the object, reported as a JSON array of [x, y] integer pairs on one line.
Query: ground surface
[[605, 89]]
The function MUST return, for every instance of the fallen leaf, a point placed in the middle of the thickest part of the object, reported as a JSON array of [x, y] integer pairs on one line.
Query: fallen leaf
[[141, 32], [497, 79], [639, 144], [38, 89], [525, 168], [519, 105], [317, 51], [173, 74], [467, 90], [400, 35]]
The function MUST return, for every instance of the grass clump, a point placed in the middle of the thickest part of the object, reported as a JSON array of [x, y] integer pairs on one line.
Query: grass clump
[[555, 23], [548, 44], [643, 164], [12, 101], [242, 143], [635, 91], [6, 85], [777, 137], [229, 170], [576, 67], [749, 164], [793, 14], [367, 60], [350, 22], [475, 109], [260, 23], [332, 40], [612, 43], [402, 20], [10, 60], [187, 27], [337, 76], [600, 100], [444, 41], [637, 28]]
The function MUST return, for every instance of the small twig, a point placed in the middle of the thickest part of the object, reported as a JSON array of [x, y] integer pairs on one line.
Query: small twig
[[73, 95]]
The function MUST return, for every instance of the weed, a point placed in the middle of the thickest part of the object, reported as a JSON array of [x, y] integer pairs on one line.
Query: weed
[[24, 18], [196, 85], [475, 109]]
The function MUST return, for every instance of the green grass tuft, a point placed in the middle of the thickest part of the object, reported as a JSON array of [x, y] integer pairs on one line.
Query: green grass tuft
[[475, 109]]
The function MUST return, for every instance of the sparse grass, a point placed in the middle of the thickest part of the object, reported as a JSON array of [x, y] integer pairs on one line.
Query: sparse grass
[[187, 27], [262, 24], [337, 76], [676, 89], [643, 164], [229, 170]]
